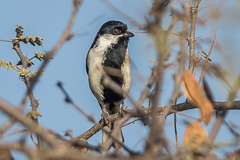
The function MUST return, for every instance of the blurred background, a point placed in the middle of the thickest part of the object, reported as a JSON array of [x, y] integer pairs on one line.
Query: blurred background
[[48, 19]]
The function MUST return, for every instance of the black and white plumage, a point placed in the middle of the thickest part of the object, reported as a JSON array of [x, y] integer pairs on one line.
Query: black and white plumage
[[109, 55]]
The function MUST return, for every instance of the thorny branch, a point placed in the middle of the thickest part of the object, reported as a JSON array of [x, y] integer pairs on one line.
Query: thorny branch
[[191, 38], [25, 61]]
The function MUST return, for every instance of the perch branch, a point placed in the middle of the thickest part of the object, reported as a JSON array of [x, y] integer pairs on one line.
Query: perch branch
[[147, 112]]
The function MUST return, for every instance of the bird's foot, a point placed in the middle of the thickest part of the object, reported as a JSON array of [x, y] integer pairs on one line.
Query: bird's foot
[[105, 116], [109, 118]]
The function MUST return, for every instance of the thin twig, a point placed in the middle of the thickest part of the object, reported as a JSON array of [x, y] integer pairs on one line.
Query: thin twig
[[5, 40], [175, 127], [145, 92], [6, 126], [229, 104], [214, 30], [175, 130], [211, 5], [207, 58], [68, 99], [138, 31]]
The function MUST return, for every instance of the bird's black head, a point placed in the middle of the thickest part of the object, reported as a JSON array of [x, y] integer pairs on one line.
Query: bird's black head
[[112, 31], [115, 28]]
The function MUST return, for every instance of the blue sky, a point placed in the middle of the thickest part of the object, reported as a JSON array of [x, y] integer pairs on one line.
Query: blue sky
[[48, 19]]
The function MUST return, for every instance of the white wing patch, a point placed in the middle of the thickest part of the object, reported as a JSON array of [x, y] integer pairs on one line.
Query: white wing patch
[[95, 73], [126, 74]]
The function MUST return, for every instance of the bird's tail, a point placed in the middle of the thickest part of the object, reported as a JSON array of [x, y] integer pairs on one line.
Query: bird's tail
[[119, 136]]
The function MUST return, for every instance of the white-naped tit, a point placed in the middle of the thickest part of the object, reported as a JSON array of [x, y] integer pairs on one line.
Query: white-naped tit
[[108, 55]]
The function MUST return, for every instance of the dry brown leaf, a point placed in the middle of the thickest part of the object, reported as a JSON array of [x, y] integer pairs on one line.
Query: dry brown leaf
[[195, 94], [237, 155], [195, 135]]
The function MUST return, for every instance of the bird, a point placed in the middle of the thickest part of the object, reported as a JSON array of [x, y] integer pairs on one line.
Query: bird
[[109, 56]]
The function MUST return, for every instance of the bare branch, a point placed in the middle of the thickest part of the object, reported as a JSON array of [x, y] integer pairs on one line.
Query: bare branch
[[191, 39]]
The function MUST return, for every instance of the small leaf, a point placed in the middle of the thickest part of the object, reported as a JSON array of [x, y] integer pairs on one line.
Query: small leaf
[[24, 72], [195, 94], [41, 56], [33, 115], [21, 27], [4, 64], [41, 38], [8, 66], [32, 42], [195, 135], [31, 39]]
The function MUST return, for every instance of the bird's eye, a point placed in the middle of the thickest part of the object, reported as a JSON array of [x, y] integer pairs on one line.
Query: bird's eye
[[116, 31]]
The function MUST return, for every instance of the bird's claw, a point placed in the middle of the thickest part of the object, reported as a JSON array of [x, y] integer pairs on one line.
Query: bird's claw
[[105, 116]]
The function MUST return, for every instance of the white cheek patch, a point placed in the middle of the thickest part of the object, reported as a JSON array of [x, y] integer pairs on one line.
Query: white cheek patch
[[105, 41]]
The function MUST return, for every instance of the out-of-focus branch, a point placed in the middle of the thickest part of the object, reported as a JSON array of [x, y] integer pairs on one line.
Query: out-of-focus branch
[[19, 146], [229, 104], [65, 37], [31, 126], [178, 77], [156, 138], [48, 154], [160, 38], [6, 126], [145, 92]]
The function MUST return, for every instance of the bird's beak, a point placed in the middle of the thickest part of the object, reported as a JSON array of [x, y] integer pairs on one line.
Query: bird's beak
[[128, 34]]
